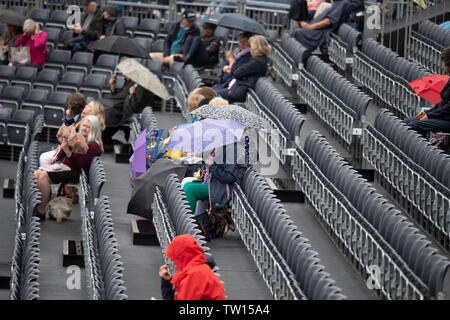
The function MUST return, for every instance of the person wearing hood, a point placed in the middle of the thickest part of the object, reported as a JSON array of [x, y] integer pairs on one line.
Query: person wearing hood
[[438, 117], [194, 278], [112, 24]]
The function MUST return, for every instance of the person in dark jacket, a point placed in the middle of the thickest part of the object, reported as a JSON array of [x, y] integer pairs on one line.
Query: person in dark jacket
[[246, 75], [120, 104], [90, 28], [205, 49], [438, 117], [178, 45], [112, 24], [223, 170], [194, 278], [235, 60]]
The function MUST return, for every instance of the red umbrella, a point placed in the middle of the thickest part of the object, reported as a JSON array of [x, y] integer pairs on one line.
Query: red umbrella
[[430, 87]]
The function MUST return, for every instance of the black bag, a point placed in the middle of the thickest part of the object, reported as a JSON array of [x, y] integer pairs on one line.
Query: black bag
[[298, 10]]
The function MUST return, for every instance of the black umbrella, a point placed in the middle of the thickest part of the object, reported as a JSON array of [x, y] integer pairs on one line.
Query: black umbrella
[[12, 17], [237, 21], [145, 185], [120, 45]]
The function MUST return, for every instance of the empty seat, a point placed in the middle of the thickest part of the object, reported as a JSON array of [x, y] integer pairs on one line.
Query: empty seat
[[35, 101], [47, 79], [6, 73], [24, 77], [53, 37], [58, 59], [40, 15], [146, 43], [81, 61], [11, 98], [58, 19], [106, 64], [93, 85], [18, 127], [158, 46], [70, 81], [55, 109], [148, 28], [130, 23]]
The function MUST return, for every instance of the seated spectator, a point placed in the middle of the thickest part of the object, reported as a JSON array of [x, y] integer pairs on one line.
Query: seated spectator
[[196, 96], [95, 108], [178, 45], [76, 103], [206, 49], [218, 101], [36, 39], [218, 180], [438, 117], [90, 129], [235, 60], [90, 28], [194, 278], [7, 40], [120, 104], [112, 24], [246, 75], [316, 34]]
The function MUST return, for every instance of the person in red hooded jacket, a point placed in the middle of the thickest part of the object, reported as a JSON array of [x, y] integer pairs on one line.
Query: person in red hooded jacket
[[194, 278]]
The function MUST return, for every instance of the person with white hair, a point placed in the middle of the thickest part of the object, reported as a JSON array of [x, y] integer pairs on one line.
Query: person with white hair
[[36, 39], [75, 162]]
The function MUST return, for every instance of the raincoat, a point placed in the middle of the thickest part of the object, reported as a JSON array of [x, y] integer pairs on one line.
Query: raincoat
[[194, 279]]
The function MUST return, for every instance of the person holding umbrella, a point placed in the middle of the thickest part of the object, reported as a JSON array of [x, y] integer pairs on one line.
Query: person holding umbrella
[[438, 117], [7, 40]]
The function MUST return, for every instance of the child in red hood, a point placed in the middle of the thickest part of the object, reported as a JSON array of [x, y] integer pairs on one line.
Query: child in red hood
[[194, 278]]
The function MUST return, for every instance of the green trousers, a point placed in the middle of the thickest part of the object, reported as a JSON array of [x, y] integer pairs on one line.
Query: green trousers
[[195, 191]]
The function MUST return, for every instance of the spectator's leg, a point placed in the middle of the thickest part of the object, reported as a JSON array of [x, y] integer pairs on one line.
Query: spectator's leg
[[156, 56], [425, 126], [108, 134], [44, 186], [195, 191]]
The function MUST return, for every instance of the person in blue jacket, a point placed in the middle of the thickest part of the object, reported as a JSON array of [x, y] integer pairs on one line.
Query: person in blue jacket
[[246, 75]]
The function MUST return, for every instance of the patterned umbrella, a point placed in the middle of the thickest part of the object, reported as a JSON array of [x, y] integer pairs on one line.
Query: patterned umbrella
[[247, 118], [205, 135]]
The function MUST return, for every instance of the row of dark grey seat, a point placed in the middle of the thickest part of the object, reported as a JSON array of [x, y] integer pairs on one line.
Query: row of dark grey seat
[[426, 46], [278, 106], [386, 76], [416, 171], [342, 43], [106, 265], [338, 85], [296, 251], [434, 32], [25, 260], [416, 251]]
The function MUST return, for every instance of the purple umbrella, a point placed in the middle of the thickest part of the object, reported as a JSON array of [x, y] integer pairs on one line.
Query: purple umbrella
[[205, 135]]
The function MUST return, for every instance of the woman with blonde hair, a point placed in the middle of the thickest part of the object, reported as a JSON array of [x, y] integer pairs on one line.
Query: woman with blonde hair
[[197, 95], [74, 162], [246, 75], [36, 39], [95, 108]]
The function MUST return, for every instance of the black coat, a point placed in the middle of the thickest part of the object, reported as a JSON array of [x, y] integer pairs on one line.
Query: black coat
[[95, 28], [246, 75], [114, 27], [193, 31], [442, 109]]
